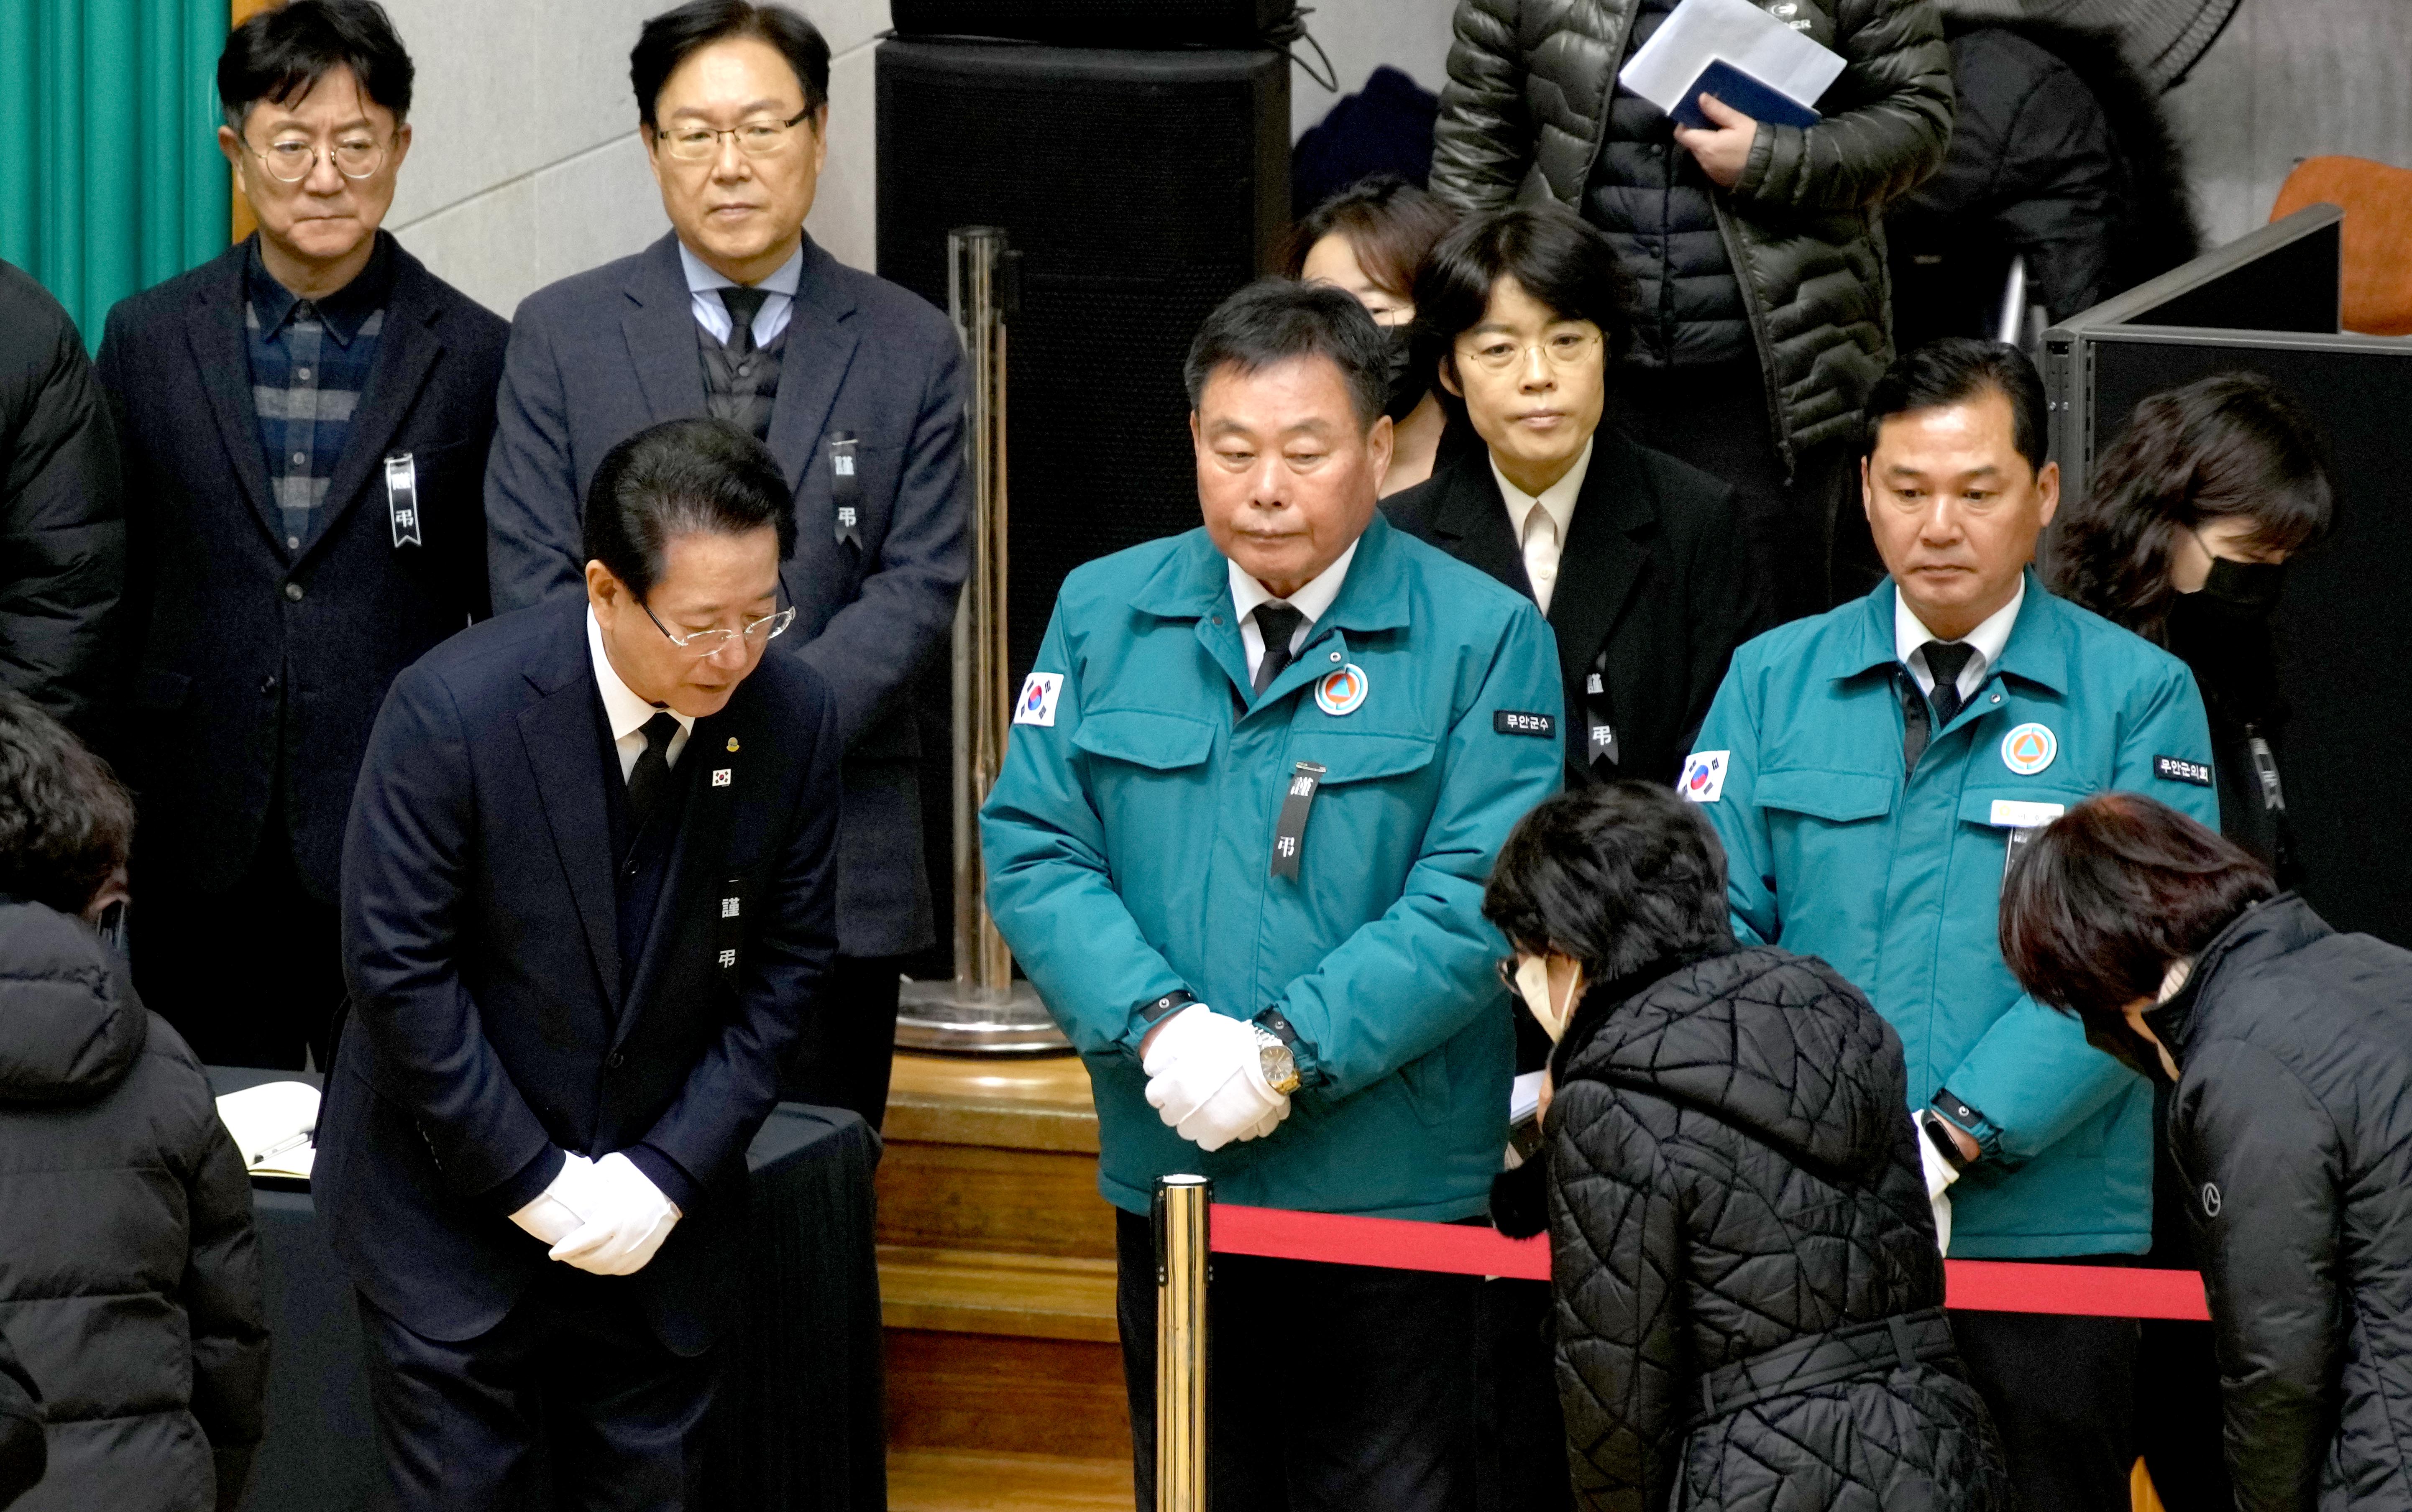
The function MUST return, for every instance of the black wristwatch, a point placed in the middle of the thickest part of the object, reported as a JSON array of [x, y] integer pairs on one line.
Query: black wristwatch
[[1949, 1110]]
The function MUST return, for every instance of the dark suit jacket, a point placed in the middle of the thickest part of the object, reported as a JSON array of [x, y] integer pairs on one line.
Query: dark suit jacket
[[249, 656], [488, 1024], [1653, 569], [597, 358]]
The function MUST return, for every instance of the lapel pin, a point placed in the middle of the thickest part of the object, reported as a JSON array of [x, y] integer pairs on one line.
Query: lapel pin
[[732, 742], [720, 776]]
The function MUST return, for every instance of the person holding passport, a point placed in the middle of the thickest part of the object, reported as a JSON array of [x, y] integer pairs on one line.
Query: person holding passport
[[1763, 306]]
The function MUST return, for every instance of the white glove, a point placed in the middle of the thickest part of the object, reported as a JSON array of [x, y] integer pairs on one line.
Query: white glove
[[1245, 1108], [562, 1204], [1191, 1057], [631, 1220], [1207, 1082], [1940, 1174]]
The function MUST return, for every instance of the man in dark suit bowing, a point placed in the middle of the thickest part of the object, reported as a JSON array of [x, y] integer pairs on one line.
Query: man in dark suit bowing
[[304, 420], [1635, 558], [587, 900], [856, 387]]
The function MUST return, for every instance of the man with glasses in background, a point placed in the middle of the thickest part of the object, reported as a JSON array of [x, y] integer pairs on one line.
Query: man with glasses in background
[[587, 900], [303, 422], [857, 387]]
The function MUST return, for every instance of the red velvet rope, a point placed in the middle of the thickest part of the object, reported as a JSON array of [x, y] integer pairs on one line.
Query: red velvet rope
[[1466, 1249]]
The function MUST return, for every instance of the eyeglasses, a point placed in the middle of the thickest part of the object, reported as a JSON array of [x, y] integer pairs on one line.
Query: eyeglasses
[[1505, 969], [1497, 354], [755, 138], [713, 643], [291, 159]]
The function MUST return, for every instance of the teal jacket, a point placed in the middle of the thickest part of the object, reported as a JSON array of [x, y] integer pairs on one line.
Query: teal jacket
[[1896, 879], [1130, 837]]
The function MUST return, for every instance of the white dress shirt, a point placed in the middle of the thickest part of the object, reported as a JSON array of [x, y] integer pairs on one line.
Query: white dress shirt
[[1313, 601], [703, 288], [1909, 639], [1540, 523], [627, 712]]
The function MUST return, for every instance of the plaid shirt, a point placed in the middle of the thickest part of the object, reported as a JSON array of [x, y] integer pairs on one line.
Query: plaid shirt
[[310, 363]]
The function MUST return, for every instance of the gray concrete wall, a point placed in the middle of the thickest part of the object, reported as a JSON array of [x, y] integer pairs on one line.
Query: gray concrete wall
[[2291, 80]]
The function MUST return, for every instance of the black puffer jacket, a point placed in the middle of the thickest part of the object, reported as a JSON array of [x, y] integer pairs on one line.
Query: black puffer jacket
[[2060, 153], [1531, 84], [1749, 1299], [2292, 1128], [62, 516], [21, 1448], [129, 1279], [1648, 193]]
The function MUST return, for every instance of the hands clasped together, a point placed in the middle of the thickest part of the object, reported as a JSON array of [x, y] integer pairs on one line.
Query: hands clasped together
[[603, 1216], [1206, 1080]]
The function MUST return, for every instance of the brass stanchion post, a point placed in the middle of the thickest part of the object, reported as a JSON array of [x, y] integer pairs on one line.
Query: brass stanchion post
[[1181, 1243], [983, 1010]]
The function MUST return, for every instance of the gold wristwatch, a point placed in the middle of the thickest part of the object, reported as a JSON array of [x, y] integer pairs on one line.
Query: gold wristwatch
[[1274, 1059]]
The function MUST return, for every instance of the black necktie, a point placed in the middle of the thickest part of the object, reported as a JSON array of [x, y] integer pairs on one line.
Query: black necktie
[[1945, 660], [649, 780], [742, 305], [1278, 622]]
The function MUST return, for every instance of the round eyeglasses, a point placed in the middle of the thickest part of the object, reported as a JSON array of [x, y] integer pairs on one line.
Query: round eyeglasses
[[755, 138], [291, 159], [1497, 354], [705, 643]]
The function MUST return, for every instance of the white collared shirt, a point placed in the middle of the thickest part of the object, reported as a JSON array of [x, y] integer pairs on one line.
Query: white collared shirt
[[1313, 601], [703, 288], [1909, 639], [1540, 523], [627, 712]]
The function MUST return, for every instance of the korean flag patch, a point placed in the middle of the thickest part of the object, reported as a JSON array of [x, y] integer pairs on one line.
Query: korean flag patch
[[1036, 705], [1704, 776]]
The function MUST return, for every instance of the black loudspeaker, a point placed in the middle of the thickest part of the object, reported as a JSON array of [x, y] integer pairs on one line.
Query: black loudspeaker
[[1139, 189], [1098, 22]]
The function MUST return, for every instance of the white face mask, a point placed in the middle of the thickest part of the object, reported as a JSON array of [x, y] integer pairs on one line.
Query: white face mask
[[1533, 986]]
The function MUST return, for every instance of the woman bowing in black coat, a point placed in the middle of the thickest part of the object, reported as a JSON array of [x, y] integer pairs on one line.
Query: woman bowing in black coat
[[2290, 1125], [129, 1275], [1749, 1295]]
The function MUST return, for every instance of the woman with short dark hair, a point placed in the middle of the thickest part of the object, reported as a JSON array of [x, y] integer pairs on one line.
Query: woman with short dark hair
[[129, 1279], [1370, 240], [2181, 536], [1749, 1295], [1634, 558], [2290, 1048]]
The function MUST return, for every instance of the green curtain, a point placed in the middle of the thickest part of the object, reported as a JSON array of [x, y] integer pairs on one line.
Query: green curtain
[[109, 173]]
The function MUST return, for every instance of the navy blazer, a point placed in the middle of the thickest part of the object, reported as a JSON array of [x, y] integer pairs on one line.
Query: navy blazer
[[489, 1022], [1652, 573], [597, 358], [247, 655]]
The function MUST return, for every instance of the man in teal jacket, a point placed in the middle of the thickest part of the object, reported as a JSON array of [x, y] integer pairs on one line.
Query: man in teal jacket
[[1870, 771], [1257, 781]]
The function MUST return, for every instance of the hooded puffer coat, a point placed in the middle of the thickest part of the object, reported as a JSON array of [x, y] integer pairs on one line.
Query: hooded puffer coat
[[2292, 1128], [129, 1276], [1532, 83], [1749, 1298]]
